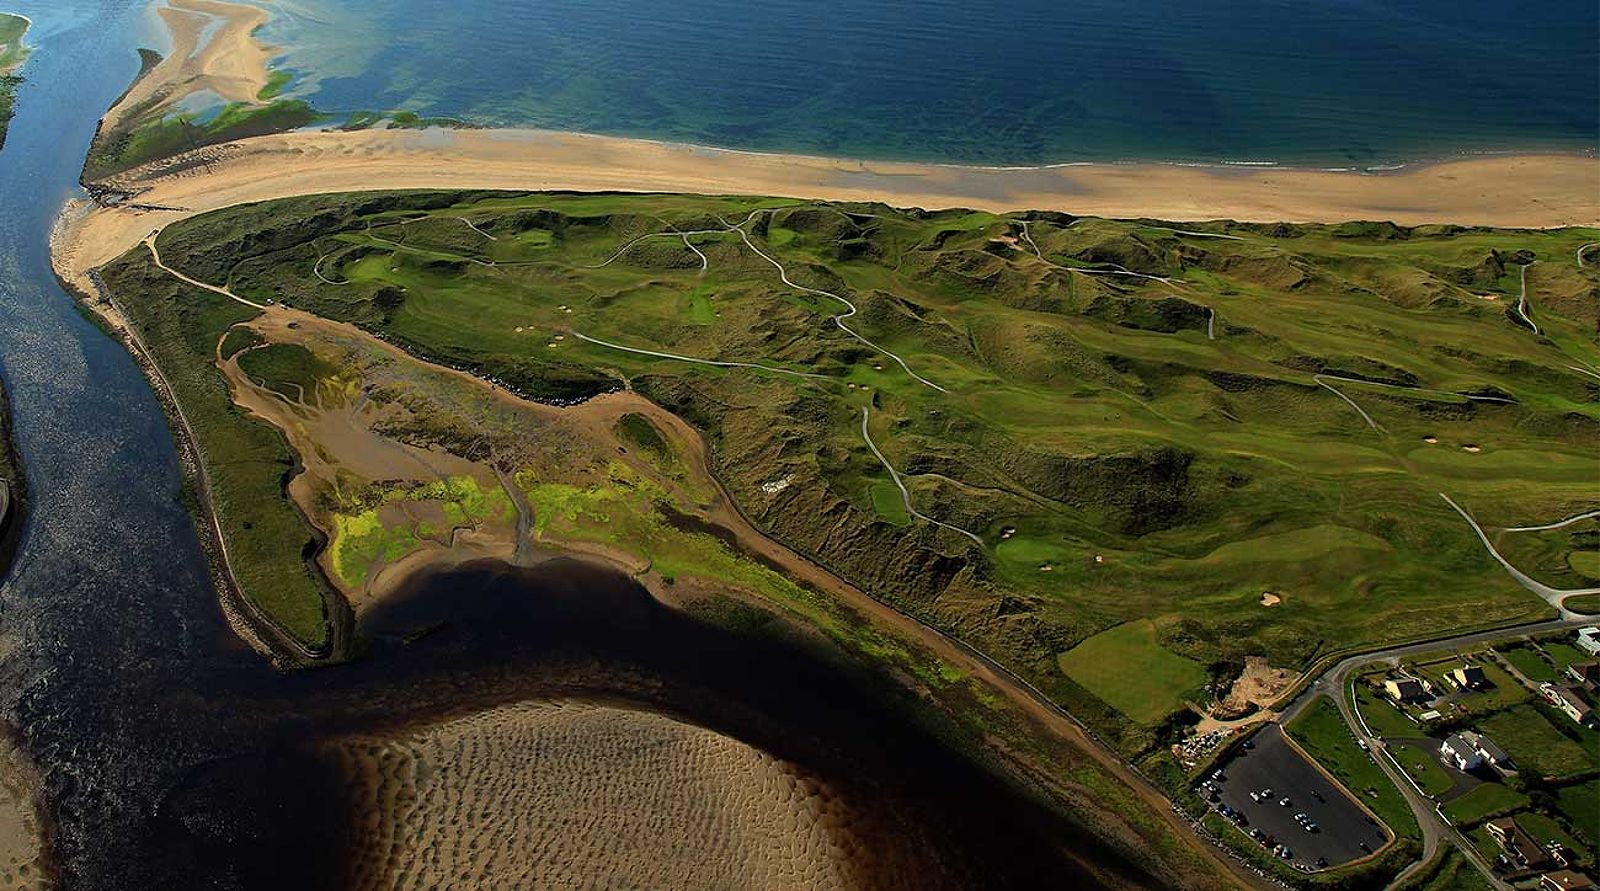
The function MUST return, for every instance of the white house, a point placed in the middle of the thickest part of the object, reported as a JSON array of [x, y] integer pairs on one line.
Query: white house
[[1469, 750], [1589, 640]]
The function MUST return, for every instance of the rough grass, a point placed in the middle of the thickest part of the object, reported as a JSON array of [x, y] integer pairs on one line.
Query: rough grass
[[1132, 672], [12, 55], [1160, 474], [1322, 732], [1537, 746], [1451, 872], [247, 461]]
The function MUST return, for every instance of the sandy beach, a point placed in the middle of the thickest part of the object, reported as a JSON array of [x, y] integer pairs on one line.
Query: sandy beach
[[1509, 191], [230, 62]]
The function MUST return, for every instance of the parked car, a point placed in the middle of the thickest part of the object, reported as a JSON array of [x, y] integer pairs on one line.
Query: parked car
[[1255, 796], [1284, 801], [1312, 827], [1216, 776], [1322, 863], [1318, 796]]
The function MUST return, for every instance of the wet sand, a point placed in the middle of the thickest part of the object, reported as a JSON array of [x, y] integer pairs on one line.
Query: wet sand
[[562, 794], [231, 63]]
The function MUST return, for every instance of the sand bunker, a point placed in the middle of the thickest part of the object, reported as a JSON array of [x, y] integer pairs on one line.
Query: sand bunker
[[566, 795]]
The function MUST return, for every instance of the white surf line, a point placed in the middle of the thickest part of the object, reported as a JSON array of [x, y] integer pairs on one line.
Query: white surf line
[[674, 356], [1553, 596], [1522, 301], [156, 256], [905, 494], [1579, 254], [837, 320], [1351, 402], [1556, 525]]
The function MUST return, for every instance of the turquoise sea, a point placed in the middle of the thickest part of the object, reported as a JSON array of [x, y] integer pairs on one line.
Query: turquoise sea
[[1320, 82]]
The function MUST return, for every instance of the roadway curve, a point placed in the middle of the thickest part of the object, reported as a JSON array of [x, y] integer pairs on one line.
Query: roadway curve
[[1335, 683], [905, 494], [1556, 597]]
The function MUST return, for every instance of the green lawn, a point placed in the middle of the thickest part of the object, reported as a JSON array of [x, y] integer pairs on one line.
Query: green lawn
[[1381, 715], [1564, 653], [1482, 802], [1580, 804], [1451, 872], [1545, 829], [1127, 668], [1423, 767], [1530, 662], [1537, 746], [1322, 732]]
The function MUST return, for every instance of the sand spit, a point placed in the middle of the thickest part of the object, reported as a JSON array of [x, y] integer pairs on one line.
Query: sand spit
[[561, 794], [231, 63]]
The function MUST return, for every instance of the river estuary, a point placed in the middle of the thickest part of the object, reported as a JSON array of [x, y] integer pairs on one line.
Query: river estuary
[[174, 757]]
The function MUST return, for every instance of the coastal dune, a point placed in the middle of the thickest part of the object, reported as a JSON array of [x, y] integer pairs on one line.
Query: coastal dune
[[563, 794], [1508, 191]]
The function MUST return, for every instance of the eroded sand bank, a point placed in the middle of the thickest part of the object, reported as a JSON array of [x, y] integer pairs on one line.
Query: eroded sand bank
[[229, 62], [1513, 191]]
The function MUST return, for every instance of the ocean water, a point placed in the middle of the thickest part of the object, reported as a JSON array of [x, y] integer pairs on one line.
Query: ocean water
[[1320, 82]]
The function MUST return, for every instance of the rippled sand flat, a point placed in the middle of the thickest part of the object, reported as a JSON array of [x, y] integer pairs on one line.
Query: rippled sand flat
[[564, 795]]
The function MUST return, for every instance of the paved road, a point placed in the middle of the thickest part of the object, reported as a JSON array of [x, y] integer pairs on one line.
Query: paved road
[[1556, 597], [1335, 681]]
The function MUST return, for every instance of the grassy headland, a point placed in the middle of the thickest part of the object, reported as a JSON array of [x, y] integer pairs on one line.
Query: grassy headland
[[1139, 424]]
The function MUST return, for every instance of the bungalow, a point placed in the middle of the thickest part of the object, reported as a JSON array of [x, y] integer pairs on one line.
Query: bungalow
[[1565, 880], [1521, 851], [1567, 698], [1468, 677], [1589, 640], [1469, 750], [1405, 689], [1585, 673]]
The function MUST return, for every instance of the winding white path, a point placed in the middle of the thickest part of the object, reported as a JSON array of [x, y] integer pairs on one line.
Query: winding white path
[[850, 308], [905, 494], [1522, 299], [1584, 248], [1556, 525], [678, 358], [1556, 597]]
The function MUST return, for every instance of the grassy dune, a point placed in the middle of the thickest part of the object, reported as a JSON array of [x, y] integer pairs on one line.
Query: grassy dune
[[1127, 449]]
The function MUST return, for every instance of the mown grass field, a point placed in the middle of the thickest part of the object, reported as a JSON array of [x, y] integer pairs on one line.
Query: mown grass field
[[1538, 746], [1126, 449], [1127, 668], [1483, 802]]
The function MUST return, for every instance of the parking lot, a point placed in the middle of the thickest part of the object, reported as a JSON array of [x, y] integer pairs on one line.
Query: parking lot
[[1270, 763]]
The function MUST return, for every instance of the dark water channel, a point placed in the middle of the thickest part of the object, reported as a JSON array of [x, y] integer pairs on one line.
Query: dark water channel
[[173, 757]]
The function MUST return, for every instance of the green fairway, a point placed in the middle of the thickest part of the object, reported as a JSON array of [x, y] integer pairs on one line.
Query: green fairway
[[1120, 458], [1132, 672]]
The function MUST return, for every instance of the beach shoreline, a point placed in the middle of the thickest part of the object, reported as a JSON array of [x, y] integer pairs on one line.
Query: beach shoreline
[[1520, 191]]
